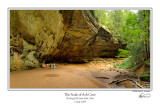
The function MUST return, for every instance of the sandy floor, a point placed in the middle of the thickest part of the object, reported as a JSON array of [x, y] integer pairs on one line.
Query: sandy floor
[[95, 74]]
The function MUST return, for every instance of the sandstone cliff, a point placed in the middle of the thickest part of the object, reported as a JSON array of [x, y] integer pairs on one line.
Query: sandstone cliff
[[57, 36]]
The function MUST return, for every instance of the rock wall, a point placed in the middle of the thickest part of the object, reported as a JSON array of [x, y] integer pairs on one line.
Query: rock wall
[[84, 39], [56, 36], [33, 35], [80, 27]]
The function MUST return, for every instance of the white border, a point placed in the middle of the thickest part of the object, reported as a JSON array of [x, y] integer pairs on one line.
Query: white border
[[80, 8]]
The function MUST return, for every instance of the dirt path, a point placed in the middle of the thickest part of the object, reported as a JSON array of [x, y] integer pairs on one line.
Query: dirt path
[[96, 74]]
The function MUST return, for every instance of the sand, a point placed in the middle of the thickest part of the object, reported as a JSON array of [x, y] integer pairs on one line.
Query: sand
[[96, 74]]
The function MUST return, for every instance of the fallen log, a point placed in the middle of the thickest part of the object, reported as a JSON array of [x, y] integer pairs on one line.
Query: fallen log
[[102, 77], [118, 81]]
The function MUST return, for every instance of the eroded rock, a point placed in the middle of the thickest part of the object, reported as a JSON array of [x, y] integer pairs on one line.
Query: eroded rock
[[57, 36]]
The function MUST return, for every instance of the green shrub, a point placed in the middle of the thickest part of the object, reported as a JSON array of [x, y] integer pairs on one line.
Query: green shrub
[[126, 64], [135, 76], [144, 77], [123, 53], [116, 65]]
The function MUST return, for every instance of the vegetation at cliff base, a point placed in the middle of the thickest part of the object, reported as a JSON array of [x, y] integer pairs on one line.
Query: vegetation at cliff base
[[132, 29]]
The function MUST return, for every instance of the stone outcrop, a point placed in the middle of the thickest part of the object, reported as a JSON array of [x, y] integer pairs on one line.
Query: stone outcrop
[[57, 36], [33, 35], [81, 26]]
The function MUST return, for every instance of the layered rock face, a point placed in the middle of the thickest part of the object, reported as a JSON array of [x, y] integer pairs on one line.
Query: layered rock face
[[33, 35], [79, 27], [56, 36]]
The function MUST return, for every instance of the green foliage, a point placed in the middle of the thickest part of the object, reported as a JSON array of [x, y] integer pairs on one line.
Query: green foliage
[[135, 76], [113, 19], [116, 65], [126, 64], [144, 77], [102, 17], [123, 53], [136, 36], [136, 67], [133, 29], [147, 62]]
